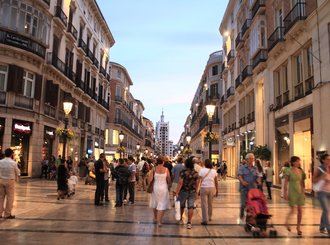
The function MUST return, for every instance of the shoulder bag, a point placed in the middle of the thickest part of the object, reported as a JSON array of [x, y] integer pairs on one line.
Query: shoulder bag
[[151, 184]]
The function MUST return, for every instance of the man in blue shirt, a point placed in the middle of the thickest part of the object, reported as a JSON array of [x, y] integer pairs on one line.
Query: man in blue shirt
[[248, 178]]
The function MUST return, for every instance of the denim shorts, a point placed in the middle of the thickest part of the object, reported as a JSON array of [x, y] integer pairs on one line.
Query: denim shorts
[[188, 197]]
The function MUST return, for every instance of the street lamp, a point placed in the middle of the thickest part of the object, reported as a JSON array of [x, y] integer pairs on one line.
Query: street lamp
[[181, 146], [138, 150], [188, 139], [210, 112], [121, 138], [67, 107]]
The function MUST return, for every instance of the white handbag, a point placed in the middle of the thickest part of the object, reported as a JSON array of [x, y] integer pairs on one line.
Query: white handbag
[[318, 185]]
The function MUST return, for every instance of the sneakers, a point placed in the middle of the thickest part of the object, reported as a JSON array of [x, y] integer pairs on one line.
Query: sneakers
[[10, 217], [130, 203], [189, 225], [181, 222], [324, 231]]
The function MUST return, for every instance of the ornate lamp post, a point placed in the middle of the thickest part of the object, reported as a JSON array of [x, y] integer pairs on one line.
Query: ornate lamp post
[[121, 138], [67, 107], [138, 149], [188, 139], [181, 147], [210, 112]]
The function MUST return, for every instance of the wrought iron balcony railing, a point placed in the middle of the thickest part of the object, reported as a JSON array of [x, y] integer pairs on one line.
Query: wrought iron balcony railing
[[297, 13], [275, 37]]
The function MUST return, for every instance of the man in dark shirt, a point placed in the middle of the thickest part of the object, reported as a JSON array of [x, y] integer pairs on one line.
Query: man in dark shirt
[[99, 173]]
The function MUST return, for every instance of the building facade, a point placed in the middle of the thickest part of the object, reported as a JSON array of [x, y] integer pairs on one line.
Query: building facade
[[125, 116], [208, 92], [51, 51], [275, 79], [162, 135], [149, 139]]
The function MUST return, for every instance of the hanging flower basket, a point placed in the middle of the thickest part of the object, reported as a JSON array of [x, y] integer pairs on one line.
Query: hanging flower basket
[[120, 149], [211, 137], [187, 151], [65, 133]]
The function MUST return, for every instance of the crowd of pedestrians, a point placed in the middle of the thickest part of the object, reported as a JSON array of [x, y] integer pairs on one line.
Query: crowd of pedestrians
[[183, 180]]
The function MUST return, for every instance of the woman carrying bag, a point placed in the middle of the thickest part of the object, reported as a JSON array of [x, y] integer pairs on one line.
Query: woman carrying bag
[[209, 188], [160, 181]]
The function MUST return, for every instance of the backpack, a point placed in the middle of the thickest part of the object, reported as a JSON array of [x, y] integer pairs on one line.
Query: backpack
[[145, 168]]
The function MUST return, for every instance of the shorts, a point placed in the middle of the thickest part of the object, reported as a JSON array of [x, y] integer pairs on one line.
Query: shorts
[[188, 197]]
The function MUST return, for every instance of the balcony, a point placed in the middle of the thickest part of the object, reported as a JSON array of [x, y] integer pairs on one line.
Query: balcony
[[238, 81], [61, 15], [83, 45], [2, 97], [95, 62], [247, 72], [286, 98], [242, 121], [309, 85], [223, 99], [50, 110], [297, 13], [276, 37], [278, 102], [73, 31], [56, 62], [105, 104], [22, 42], [245, 26], [299, 91], [90, 55], [108, 77], [24, 102], [103, 71], [230, 91], [260, 57], [118, 99], [239, 40], [259, 7], [230, 56]]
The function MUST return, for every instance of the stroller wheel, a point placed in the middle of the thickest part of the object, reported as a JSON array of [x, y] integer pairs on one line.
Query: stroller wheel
[[247, 228], [256, 234]]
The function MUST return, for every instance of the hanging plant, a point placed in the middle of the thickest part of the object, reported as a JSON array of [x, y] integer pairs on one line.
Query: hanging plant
[[62, 133], [187, 151], [262, 152], [120, 149], [211, 137]]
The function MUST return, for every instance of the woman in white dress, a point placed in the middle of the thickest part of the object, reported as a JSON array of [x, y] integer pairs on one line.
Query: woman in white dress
[[160, 198]]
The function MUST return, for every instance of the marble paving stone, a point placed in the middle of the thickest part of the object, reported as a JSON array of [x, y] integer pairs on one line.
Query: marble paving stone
[[42, 219]]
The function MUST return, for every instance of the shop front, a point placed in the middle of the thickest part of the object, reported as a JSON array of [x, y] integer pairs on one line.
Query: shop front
[[20, 143], [47, 147], [230, 156], [302, 142]]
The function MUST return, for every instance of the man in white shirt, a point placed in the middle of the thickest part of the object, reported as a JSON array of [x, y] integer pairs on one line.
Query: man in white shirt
[[9, 173], [142, 175]]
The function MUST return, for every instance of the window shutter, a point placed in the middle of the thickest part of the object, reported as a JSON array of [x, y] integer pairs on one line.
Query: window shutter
[[80, 110], [54, 95], [88, 114], [38, 87], [15, 79]]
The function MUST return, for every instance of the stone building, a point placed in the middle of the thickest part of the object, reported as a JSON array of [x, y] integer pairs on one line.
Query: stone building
[[51, 51], [125, 116]]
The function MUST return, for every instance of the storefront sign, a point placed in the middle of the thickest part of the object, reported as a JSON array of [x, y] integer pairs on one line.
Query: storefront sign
[[89, 151], [22, 128]]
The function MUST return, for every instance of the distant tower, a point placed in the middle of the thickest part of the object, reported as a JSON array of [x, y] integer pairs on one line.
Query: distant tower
[[162, 134]]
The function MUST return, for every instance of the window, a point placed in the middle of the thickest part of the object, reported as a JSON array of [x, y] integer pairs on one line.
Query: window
[[28, 84], [115, 137], [3, 77], [310, 69], [214, 70], [298, 69], [118, 73]]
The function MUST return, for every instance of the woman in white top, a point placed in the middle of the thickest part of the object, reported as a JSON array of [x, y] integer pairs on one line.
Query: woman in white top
[[209, 184], [160, 197]]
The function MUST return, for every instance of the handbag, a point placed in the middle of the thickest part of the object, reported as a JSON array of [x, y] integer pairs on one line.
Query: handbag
[[151, 184], [318, 185]]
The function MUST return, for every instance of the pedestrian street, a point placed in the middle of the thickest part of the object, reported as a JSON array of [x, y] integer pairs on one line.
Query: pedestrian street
[[42, 219]]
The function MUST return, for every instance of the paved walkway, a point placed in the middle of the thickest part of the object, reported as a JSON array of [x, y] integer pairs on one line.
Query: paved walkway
[[42, 219]]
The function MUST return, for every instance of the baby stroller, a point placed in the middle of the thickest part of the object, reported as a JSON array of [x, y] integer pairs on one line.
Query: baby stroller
[[257, 215]]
